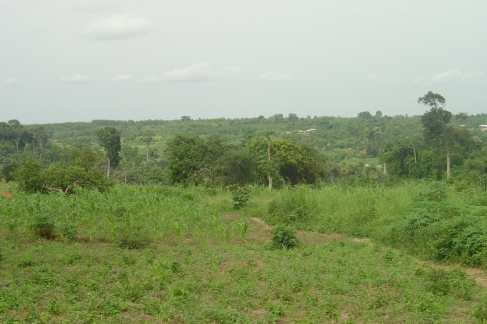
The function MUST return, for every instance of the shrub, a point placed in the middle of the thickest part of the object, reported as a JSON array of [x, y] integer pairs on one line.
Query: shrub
[[69, 231], [43, 226], [284, 237], [241, 195]]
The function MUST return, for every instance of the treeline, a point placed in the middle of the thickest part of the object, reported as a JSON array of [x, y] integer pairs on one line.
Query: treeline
[[279, 149]]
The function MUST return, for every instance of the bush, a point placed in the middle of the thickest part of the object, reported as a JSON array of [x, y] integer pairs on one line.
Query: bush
[[43, 226], [284, 237], [69, 231], [442, 229], [241, 195]]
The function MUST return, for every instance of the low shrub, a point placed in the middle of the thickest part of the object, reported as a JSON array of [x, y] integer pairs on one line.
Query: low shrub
[[43, 226], [284, 237]]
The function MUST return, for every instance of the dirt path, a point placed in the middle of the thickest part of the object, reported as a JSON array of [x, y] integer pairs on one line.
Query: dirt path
[[262, 230]]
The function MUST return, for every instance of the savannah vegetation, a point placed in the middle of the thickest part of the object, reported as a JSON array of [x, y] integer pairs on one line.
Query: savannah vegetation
[[259, 220]]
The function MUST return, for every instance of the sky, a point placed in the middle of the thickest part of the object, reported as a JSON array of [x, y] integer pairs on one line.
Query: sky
[[80, 60]]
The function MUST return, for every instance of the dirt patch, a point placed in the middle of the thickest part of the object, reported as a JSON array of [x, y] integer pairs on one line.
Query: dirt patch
[[479, 275], [230, 216], [7, 194]]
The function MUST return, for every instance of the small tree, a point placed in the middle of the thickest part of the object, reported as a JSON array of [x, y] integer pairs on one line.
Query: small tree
[[109, 139]]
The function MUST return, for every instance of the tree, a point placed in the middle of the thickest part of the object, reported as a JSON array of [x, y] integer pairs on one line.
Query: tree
[[109, 139], [147, 138], [364, 115], [17, 132], [378, 114], [40, 138], [436, 124]]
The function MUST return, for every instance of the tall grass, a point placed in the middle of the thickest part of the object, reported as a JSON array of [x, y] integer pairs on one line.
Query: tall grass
[[358, 211]]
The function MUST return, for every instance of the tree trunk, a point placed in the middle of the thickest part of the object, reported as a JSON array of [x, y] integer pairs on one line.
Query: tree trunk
[[147, 153], [108, 169], [385, 169], [447, 163], [415, 156]]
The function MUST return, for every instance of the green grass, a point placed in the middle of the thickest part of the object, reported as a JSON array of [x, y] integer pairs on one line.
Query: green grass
[[172, 255]]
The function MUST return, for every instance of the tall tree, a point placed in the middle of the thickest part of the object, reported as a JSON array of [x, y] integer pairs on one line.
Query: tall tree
[[147, 138], [436, 124], [109, 139]]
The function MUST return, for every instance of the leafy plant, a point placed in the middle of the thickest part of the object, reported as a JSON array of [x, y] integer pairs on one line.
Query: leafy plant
[[43, 226], [69, 231], [284, 237], [240, 197]]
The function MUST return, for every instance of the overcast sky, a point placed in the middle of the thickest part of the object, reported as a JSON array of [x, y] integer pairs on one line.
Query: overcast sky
[[79, 60]]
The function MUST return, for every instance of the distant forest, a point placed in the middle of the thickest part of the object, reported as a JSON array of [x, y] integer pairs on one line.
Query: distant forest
[[282, 150]]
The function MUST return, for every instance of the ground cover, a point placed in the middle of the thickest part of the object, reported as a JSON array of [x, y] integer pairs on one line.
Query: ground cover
[[171, 255]]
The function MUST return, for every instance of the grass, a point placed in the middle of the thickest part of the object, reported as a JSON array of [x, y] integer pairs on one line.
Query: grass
[[200, 262]]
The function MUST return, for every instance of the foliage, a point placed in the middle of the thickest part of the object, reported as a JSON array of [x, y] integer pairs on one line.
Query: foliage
[[57, 178], [284, 237], [8, 172], [28, 175], [240, 196], [132, 238], [198, 268], [109, 139], [443, 229], [43, 225]]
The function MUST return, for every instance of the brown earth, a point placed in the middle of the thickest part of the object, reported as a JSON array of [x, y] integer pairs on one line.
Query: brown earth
[[7, 194]]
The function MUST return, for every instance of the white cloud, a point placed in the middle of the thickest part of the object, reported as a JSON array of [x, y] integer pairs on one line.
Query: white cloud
[[124, 78], [383, 79], [276, 77], [151, 79], [451, 76], [200, 73], [11, 82], [118, 27], [76, 79]]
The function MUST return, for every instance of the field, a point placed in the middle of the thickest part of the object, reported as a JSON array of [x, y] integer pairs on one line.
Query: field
[[173, 255]]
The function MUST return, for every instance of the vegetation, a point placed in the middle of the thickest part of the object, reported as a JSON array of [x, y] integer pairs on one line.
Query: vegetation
[[164, 254], [338, 220]]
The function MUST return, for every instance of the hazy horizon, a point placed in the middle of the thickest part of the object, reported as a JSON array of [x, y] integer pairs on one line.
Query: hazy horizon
[[83, 60]]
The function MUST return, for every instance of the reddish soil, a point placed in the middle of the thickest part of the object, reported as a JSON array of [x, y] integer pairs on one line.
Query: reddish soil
[[7, 194]]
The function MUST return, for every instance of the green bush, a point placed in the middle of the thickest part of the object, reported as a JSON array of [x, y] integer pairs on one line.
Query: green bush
[[240, 197], [69, 231], [442, 229], [43, 226], [284, 237]]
